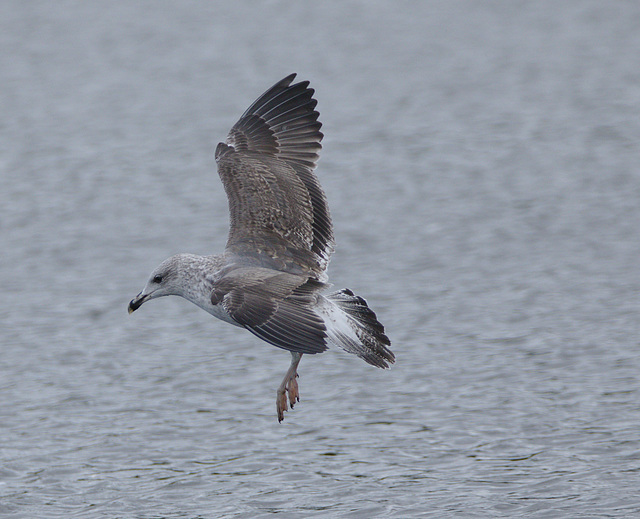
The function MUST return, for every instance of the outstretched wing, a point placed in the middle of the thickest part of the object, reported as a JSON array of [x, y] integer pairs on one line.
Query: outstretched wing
[[278, 211], [275, 306]]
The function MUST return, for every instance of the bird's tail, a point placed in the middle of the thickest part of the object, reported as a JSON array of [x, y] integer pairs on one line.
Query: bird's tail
[[353, 326]]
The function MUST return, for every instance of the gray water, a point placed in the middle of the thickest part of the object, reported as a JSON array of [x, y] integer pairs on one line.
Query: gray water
[[482, 163]]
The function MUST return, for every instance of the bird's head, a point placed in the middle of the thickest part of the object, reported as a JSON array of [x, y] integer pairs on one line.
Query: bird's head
[[163, 281]]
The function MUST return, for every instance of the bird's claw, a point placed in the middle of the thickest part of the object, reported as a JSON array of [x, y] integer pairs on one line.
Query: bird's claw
[[281, 404], [290, 390]]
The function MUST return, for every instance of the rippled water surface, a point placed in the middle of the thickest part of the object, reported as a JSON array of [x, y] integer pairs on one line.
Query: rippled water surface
[[481, 160]]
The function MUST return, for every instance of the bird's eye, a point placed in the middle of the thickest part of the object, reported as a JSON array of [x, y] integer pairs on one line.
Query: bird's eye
[[157, 279]]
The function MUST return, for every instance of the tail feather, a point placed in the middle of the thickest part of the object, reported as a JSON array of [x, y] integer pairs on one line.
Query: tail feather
[[353, 326]]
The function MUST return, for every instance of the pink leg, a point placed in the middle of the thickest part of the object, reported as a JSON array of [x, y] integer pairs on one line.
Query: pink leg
[[288, 387]]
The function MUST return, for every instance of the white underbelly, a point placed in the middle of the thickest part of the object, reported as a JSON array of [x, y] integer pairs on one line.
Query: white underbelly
[[219, 312]]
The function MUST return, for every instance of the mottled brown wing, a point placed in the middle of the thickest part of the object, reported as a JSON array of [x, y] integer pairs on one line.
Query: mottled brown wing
[[278, 209], [275, 306]]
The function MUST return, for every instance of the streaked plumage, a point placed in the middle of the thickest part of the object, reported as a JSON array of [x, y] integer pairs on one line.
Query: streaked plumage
[[271, 277]]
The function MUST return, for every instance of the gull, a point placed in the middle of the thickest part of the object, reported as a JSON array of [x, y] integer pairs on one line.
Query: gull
[[272, 276]]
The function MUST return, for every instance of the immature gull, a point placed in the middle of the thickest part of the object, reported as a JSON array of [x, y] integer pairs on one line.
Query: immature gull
[[271, 276]]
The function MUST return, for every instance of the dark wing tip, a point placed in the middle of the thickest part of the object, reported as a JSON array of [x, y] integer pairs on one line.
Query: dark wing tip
[[290, 78], [282, 123]]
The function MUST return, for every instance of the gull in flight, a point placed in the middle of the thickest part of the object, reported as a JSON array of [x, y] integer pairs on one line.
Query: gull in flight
[[271, 278]]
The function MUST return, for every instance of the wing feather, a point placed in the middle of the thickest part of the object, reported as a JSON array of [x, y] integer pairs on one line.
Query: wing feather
[[277, 307], [278, 209]]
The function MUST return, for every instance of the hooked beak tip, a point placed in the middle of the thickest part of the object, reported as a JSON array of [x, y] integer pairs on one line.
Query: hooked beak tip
[[136, 302]]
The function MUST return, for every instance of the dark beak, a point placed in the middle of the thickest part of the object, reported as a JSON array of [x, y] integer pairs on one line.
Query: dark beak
[[137, 301]]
